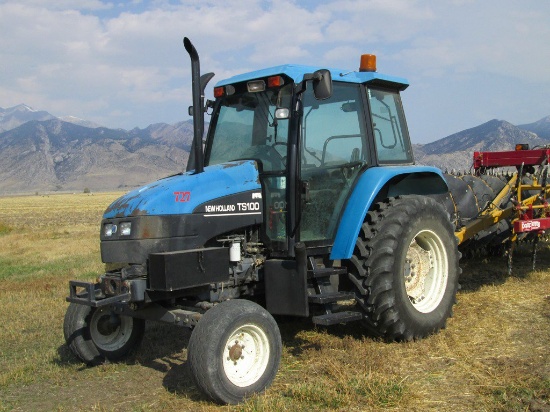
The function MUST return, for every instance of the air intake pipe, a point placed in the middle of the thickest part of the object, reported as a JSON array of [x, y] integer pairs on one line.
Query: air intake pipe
[[196, 157]]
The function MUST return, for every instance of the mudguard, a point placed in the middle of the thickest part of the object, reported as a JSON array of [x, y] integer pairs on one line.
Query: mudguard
[[421, 180], [183, 193]]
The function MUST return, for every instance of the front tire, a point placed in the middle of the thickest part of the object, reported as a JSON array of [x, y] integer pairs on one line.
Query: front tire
[[405, 268], [95, 335], [234, 351]]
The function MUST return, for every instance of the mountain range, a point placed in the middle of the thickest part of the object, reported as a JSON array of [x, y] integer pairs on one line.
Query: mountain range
[[40, 152], [455, 152]]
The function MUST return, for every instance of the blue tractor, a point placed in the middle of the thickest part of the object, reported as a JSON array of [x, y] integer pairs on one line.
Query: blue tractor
[[303, 200]]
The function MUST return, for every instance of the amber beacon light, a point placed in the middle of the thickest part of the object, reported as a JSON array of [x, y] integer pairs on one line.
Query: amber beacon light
[[368, 63]]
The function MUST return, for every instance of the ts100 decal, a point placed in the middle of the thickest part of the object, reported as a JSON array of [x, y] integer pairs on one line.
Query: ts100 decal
[[237, 206]]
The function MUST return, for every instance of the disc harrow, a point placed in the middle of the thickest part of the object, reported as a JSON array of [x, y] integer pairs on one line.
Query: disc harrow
[[492, 209]]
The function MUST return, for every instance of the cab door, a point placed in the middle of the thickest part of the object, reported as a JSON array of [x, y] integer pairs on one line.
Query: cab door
[[333, 150]]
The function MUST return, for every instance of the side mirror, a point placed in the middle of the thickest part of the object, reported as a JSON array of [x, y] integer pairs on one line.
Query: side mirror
[[208, 105], [322, 84]]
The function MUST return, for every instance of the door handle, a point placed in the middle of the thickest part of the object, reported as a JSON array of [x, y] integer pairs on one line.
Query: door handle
[[305, 191]]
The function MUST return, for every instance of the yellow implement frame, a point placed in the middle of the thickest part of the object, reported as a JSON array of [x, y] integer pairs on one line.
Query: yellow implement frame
[[494, 213]]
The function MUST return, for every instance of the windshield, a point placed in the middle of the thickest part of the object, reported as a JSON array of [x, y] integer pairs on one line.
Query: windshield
[[245, 127]]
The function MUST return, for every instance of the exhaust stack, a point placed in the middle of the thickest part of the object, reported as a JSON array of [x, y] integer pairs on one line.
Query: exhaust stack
[[196, 158]]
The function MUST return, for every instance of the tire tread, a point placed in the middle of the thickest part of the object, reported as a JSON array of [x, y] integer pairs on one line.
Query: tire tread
[[373, 260]]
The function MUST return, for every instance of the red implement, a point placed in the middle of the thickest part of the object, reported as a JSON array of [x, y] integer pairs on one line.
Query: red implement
[[510, 158]]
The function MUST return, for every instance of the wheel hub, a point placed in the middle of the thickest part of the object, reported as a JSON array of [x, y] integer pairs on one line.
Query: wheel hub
[[246, 355], [419, 262], [236, 351], [106, 326], [108, 331]]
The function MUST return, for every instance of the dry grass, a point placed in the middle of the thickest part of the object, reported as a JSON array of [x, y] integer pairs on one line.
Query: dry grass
[[492, 357]]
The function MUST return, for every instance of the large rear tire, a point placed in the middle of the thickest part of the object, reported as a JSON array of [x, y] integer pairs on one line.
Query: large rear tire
[[95, 335], [234, 351], [405, 268]]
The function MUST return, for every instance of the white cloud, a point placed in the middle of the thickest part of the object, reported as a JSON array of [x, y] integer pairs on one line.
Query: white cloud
[[123, 63], [336, 55], [68, 4], [374, 21], [508, 39]]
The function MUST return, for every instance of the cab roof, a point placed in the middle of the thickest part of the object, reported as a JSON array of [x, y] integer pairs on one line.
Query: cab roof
[[296, 73]]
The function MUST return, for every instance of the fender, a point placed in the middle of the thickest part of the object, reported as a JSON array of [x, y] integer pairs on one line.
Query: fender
[[399, 180]]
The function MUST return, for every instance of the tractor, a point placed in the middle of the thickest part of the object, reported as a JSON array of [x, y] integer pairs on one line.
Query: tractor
[[302, 199]]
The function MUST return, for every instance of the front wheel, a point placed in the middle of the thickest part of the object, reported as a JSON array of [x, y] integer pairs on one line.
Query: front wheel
[[234, 351], [405, 267], [96, 335]]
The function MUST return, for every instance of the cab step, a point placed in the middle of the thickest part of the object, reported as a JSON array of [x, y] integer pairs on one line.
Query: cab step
[[331, 297], [325, 272], [337, 318]]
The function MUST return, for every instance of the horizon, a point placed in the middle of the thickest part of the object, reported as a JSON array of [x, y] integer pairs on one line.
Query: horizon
[[190, 120]]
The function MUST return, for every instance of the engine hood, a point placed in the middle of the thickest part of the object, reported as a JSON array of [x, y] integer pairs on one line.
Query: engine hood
[[183, 193]]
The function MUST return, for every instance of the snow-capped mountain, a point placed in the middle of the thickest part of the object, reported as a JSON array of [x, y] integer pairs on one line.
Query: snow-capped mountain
[[13, 117], [80, 122]]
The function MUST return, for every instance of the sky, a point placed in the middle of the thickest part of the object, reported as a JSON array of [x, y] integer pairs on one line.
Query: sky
[[122, 64]]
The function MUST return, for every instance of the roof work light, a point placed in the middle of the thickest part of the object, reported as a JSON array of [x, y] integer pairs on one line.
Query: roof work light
[[368, 63]]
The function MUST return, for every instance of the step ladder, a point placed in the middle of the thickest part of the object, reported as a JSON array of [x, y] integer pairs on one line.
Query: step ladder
[[326, 296]]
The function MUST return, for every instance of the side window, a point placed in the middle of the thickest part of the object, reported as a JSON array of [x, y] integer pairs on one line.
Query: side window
[[331, 132], [390, 131]]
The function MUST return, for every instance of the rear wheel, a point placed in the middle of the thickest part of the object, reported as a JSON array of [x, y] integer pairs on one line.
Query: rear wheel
[[405, 268], [234, 351], [96, 335]]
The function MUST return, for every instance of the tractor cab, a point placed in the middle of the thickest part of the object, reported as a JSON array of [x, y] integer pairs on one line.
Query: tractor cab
[[312, 132]]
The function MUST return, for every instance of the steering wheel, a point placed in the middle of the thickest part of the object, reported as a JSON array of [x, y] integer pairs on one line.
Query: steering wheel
[[346, 169]]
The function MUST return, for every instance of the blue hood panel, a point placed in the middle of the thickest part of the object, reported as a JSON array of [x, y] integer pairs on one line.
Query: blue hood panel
[[182, 194]]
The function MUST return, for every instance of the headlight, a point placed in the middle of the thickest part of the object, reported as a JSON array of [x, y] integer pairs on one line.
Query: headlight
[[109, 229], [125, 228]]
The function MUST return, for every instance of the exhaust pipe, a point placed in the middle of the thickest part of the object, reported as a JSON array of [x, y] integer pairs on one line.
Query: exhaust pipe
[[196, 158]]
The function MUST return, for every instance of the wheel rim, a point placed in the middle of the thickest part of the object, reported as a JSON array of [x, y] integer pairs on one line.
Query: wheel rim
[[246, 355], [426, 271], [109, 336]]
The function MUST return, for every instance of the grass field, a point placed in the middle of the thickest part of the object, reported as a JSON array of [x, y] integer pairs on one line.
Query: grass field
[[493, 356]]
